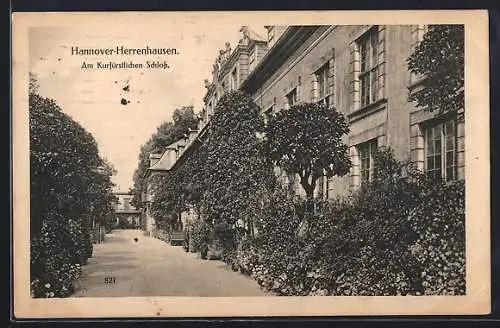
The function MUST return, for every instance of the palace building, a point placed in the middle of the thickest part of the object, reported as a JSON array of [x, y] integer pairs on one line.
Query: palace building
[[161, 164], [126, 214], [361, 70]]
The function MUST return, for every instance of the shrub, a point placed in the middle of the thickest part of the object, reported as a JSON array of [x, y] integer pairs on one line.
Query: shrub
[[54, 266], [373, 238], [277, 244], [201, 234], [231, 170], [401, 234], [69, 183], [185, 245], [440, 246], [79, 241]]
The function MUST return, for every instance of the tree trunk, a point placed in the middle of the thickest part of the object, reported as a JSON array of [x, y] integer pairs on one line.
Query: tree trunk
[[309, 189]]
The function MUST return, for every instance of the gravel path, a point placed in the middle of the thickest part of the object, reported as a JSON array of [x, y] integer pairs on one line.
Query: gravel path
[[122, 266]]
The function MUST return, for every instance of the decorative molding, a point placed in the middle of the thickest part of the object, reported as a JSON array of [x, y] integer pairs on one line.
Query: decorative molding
[[290, 41], [369, 134], [367, 110]]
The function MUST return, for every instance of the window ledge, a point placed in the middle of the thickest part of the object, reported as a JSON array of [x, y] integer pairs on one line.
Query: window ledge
[[367, 110], [416, 84]]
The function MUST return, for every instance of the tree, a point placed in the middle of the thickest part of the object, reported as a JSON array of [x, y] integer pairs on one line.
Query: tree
[[166, 204], [33, 86], [439, 58], [307, 140], [166, 133], [231, 168], [101, 198], [70, 187], [184, 120]]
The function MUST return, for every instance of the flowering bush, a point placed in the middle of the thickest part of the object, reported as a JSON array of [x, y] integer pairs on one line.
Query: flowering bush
[[80, 241], [402, 234], [54, 264]]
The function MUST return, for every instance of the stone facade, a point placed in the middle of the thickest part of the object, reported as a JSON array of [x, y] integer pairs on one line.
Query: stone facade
[[231, 68], [161, 164], [362, 72]]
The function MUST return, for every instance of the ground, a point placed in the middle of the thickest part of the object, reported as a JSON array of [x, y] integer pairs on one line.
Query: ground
[[128, 263]]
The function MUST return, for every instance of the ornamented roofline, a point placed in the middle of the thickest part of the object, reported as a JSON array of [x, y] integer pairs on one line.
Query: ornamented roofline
[[291, 39], [227, 56]]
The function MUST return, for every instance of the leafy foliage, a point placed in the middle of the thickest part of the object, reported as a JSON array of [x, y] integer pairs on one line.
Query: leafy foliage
[[399, 235], [70, 188], [167, 133], [223, 180], [33, 85], [234, 165], [166, 203], [440, 246], [307, 140], [439, 58]]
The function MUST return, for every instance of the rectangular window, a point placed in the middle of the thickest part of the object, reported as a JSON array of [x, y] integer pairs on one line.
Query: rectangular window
[[291, 98], [365, 153], [441, 151], [368, 47], [323, 85]]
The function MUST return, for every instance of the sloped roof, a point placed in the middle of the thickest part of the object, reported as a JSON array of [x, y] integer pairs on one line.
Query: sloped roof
[[164, 163]]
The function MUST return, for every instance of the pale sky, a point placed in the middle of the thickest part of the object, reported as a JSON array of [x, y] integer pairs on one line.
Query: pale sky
[[92, 97]]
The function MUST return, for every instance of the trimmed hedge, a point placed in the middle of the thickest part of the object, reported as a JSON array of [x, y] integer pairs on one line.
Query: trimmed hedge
[[56, 258], [69, 186], [402, 234]]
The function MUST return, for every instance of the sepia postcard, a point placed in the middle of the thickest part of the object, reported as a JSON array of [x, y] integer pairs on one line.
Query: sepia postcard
[[234, 164]]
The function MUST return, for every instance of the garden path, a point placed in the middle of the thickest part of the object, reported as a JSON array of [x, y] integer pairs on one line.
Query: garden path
[[128, 263]]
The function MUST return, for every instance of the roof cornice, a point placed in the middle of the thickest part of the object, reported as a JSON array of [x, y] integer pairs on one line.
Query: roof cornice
[[289, 42]]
